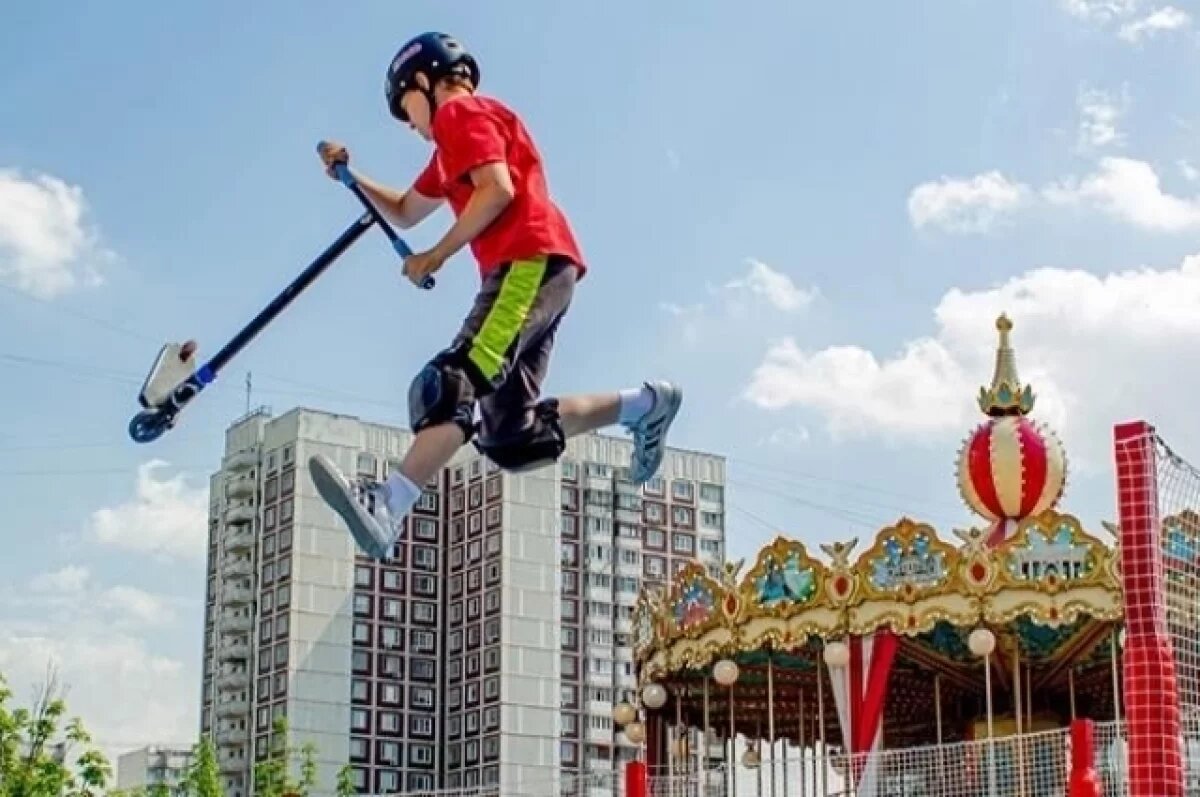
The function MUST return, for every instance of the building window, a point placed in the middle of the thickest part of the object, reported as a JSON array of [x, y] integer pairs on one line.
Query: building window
[[425, 529], [683, 543], [428, 502], [420, 726], [360, 719], [389, 753], [424, 612], [682, 516], [712, 492], [682, 490], [424, 585], [424, 557], [420, 754], [422, 641], [390, 694], [421, 697]]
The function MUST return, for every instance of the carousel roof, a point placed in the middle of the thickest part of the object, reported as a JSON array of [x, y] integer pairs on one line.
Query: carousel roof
[[1049, 590]]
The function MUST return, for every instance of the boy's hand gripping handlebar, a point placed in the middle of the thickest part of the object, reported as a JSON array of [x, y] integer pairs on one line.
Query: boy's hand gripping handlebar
[[347, 179]]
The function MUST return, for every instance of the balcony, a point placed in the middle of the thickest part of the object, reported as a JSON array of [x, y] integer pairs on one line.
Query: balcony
[[235, 681], [233, 708], [242, 487], [232, 737], [239, 514], [236, 624], [237, 651], [237, 596], [239, 541], [241, 460], [233, 766], [236, 567]]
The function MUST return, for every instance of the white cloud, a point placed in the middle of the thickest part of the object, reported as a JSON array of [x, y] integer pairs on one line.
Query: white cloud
[[776, 287], [46, 246], [760, 283], [1099, 114], [1129, 190], [126, 692], [165, 516], [1100, 10], [965, 205], [789, 437], [69, 579], [1160, 20], [1189, 172], [138, 606], [1096, 349]]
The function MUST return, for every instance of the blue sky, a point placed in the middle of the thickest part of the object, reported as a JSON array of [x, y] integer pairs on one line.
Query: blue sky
[[809, 215]]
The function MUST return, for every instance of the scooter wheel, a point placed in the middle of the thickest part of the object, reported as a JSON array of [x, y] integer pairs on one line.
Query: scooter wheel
[[149, 425]]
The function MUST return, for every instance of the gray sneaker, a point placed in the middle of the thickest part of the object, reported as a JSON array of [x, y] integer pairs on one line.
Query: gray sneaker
[[650, 431], [362, 504]]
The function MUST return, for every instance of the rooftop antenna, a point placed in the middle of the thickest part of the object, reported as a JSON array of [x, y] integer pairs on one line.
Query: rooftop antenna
[[249, 388]]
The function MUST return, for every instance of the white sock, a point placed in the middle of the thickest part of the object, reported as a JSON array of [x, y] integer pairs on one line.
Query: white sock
[[402, 494], [635, 403]]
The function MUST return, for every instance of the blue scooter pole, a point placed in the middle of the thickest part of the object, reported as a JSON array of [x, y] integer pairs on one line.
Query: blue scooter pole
[[344, 175]]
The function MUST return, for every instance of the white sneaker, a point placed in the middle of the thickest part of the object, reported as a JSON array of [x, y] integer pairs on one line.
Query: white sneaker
[[361, 503], [650, 431]]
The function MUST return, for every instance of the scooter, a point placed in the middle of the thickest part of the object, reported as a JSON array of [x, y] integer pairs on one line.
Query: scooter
[[175, 380]]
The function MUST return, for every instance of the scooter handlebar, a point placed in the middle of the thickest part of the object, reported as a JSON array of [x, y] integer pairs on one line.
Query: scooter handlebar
[[346, 177]]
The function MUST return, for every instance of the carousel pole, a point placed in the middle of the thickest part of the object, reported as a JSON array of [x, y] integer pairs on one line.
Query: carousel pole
[[821, 734], [758, 751], [679, 749], [937, 718], [703, 757], [771, 715], [1017, 710], [1116, 682], [1071, 690], [801, 748], [731, 758], [982, 643]]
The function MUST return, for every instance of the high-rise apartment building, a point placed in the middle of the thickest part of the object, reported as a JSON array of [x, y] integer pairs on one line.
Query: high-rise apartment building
[[487, 650]]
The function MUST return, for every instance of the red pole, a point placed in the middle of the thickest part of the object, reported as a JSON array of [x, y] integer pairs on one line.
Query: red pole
[[635, 779], [1085, 781]]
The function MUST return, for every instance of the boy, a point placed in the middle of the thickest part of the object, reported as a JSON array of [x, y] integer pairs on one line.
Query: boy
[[486, 165]]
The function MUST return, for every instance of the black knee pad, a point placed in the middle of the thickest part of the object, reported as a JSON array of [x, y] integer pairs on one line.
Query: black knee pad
[[441, 392], [539, 445]]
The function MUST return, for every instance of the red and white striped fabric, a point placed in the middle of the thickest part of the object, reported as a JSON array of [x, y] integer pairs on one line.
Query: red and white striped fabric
[[860, 692]]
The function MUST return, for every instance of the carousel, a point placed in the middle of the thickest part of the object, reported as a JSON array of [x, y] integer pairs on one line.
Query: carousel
[[904, 664]]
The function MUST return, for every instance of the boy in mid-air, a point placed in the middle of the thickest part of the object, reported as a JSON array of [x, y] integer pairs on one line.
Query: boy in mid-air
[[486, 165]]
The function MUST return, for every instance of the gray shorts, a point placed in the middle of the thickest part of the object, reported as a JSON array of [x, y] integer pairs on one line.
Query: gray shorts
[[507, 338]]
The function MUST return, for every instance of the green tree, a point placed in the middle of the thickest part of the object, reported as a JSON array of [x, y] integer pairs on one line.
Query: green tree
[[273, 775], [203, 777], [345, 782], [36, 748]]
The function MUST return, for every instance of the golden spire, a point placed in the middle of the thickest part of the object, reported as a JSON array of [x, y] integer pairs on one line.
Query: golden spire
[[1006, 395]]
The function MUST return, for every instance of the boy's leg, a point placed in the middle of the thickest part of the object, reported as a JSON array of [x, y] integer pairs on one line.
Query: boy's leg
[[647, 412], [520, 431]]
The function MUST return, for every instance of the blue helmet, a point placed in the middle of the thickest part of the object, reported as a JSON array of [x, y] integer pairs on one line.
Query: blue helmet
[[438, 55]]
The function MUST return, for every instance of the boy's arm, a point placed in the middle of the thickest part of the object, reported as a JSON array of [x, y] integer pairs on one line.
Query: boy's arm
[[404, 208], [493, 192]]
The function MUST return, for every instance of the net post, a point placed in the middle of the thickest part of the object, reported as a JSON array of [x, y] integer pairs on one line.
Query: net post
[[1148, 674], [1085, 780], [635, 779]]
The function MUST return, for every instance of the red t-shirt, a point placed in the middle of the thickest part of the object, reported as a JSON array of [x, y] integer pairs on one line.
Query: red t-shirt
[[473, 131]]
